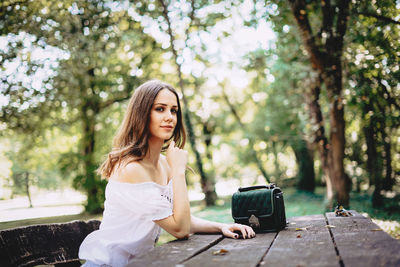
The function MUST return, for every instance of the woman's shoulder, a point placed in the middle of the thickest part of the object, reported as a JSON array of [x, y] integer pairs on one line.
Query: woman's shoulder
[[132, 172]]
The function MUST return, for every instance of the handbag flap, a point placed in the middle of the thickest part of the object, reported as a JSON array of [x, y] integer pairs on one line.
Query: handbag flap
[[258, 202]]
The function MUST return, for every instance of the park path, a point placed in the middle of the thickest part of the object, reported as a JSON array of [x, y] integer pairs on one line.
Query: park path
[[45, 204]]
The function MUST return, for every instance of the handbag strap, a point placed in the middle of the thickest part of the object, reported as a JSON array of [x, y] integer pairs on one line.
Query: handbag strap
[[244, 189]]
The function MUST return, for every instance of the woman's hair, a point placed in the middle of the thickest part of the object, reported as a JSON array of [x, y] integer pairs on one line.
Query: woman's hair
[[131, 141]]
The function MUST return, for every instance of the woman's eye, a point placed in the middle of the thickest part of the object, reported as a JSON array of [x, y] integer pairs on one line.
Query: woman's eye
[[160, 109], [174, 110]]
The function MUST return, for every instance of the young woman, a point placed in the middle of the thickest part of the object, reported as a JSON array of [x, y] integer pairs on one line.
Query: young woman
[[147, 190]]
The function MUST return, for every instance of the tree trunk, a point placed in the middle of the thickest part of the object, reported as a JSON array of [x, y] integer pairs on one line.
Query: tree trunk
[[207, 187], [320, 139], [277, 172], [325, 58], [373, 167], [91, 182], [305, 163], [207, 132], [28, 194], [341, 182], [388, 181]]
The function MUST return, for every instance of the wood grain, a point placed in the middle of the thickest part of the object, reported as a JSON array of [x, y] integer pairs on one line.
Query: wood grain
[[361, 242], [175, 252], [241, 252], [310, 246]]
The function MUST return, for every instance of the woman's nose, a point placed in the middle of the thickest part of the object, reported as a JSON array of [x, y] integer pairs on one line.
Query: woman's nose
[[168, 116]]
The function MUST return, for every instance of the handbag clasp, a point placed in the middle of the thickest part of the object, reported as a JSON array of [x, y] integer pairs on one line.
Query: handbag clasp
[[254, 222]]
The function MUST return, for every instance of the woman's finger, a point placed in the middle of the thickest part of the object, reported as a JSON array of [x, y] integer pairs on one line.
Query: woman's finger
[[243, 230], [231, 234], [249, 232], [246, 231]]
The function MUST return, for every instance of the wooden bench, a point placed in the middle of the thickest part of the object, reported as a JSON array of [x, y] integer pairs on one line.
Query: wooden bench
[[48, 244], [314, 240]]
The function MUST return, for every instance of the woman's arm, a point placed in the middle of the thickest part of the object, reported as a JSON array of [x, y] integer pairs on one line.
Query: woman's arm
[[198, 225], [178, 224]]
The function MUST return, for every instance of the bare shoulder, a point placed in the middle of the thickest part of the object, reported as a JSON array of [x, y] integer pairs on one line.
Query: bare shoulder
[[133, 173]]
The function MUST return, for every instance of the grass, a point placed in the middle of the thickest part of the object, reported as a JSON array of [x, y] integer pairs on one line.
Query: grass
[[296, 204]]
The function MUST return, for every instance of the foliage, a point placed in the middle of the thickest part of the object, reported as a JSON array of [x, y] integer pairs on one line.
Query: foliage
[[372, 57], [68, 68], [102, 56], [32, 163]]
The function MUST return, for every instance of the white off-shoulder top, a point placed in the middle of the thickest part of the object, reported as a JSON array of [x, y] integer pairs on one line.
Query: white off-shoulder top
[[127, 228]]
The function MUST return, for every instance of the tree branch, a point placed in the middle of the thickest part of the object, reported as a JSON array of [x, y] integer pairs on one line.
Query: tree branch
[[327, 19], [341, 25], [379, 17], [300, 14], [109, 102], [390, 99], [173, 48], [232, 108]]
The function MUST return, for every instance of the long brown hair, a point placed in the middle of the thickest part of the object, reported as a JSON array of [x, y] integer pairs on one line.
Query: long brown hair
[[131, 140]]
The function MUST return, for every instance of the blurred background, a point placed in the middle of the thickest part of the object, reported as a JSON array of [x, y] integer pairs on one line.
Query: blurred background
[[304, 94]]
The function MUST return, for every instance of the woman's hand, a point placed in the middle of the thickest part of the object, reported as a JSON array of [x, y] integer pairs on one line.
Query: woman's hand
[[177, 158], [228, 230]]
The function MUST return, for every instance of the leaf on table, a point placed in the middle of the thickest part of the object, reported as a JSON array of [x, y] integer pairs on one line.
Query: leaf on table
[[330, 226], [342, 212], [301, 229], [377, 229], [220, 252], [298, 236]]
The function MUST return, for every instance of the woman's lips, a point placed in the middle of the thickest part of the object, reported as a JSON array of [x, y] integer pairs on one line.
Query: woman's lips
[[167, 127]]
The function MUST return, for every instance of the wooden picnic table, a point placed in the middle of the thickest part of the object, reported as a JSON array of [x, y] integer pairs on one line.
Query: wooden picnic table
[[314, 240]]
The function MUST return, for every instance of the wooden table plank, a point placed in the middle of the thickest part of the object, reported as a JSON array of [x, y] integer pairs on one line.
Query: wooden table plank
[[175, 252], [361, 242], [312, 246], [241, 252], [353, 241]]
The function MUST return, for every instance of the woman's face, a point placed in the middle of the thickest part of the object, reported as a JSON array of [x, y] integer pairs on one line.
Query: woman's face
[[163, 115]]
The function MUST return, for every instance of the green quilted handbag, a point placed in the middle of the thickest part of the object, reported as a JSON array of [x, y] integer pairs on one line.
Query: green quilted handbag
[[260, 207]]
